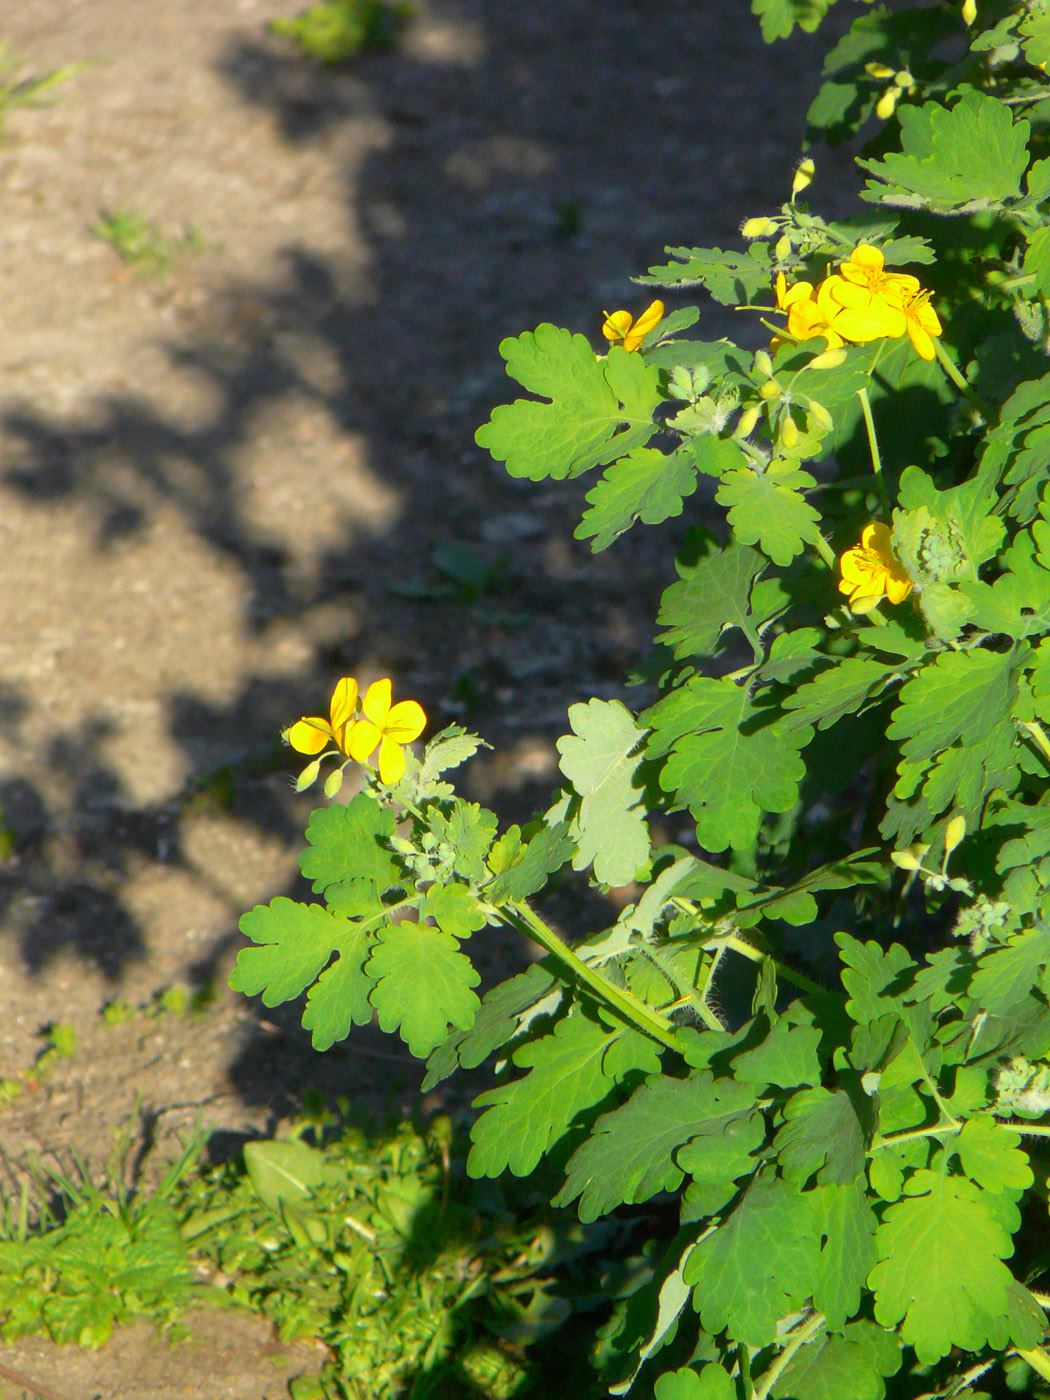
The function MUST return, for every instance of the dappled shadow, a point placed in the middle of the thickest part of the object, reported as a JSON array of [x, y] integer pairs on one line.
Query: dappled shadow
[[533, 158]]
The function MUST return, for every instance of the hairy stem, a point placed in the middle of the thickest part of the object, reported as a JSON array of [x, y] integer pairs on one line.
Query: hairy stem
[[518, 914], [953, 372], [805, 1333], [1038, 1360]]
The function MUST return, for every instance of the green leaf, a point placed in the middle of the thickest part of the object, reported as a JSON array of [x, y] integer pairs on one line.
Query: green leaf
[[732, 278], [709, 1383], [1018, 602], [454, 908], [599, 760], [779, 17], [629, 1155], [284, 1172], [769, 510], [1006, 974], [296, 942], [467, 829], [940, 1274], [527, 872], [847, 1253], [969, 156], [711, 598], [786, 1058], [822, 1135], [502, 1011], [716, 1160], [724, 768], [960, 695], [524, 1118], [1016, 447], [759, 1265], [869, 971], [850, 1363], [598, 409], [646, 485], [445, 751], [348, 843], [991, 1156], [840, 690], [423, 982]]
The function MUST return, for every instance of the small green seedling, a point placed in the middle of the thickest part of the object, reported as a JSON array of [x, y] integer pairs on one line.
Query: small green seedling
[[142, 244], [336, 31]]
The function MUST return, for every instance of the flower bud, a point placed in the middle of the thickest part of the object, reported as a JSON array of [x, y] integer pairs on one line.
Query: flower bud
[[763, 364], [803, 176], [828, 359], [887, 103], [789, 434], [782, 248], [953, 834], [969, 11], [747, 420], [878, 70], [770, 390], [904, 79], [758, 228], [820, 416], [910, 858]]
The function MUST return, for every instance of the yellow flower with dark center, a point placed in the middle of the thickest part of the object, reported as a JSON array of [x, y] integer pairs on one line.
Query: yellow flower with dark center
[[872, 571], [388, 726], [621, 328], [313, 734]]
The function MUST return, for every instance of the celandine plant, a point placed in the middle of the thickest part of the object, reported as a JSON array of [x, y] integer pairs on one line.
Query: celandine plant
[[822, 1031]]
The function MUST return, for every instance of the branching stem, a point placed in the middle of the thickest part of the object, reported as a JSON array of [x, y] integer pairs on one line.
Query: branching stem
[[518, 914]]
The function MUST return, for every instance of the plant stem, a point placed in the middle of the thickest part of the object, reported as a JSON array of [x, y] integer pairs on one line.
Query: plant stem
[[1038, 1360], [953, 372], [527, 921], [873, 446], [1037, 732], [824, 550], [753, 954], [804, 1334], [953, 1126], [1028, 1129]]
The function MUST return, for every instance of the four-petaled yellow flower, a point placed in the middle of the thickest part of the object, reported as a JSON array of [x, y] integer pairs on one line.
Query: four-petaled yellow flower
[[314, 734], [389, 726], [872, 571], [859, 303], [622, 329]]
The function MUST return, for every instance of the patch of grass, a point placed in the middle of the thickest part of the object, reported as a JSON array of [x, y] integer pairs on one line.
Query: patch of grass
[[142, 244], [336, 31], [19, 91]]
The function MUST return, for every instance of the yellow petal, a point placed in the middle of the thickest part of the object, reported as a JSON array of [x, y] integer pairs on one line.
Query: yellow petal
[[405, 722], [897, 589], [920, 339], [344, 701], [362, 739], [649, 319], [376, 703], [868, 257], [309, 735], [863, 603], [617, 325], [877, 536], [391, 760]]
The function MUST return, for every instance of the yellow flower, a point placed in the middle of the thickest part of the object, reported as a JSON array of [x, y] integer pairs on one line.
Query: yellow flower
[[389, 726], [921, 322], [314, 734], [872, 571], [622, 329], [806, 319]]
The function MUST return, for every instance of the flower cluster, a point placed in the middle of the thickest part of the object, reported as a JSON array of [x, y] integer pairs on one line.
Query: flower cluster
[[380, 724], [872, 571], [621, 328], [860, 302]]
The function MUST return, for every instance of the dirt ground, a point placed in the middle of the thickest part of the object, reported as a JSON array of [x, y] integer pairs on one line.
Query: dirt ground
[[222, 489]]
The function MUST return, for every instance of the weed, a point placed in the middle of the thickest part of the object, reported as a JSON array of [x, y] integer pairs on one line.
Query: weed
[[16, 91], [142, 244], [336, 31]]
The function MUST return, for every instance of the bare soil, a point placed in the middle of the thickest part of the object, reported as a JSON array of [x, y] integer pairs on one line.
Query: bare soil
[[223, 488]]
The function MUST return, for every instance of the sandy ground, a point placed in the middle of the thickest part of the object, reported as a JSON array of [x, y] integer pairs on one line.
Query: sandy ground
[[223, 488]]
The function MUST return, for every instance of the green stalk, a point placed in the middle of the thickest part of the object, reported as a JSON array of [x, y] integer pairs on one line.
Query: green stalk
[[747, 950], [805, 1333], [518, 914], [913, 1135], [953, 372], [1038, 1360], [876, 457], [1038, 734]]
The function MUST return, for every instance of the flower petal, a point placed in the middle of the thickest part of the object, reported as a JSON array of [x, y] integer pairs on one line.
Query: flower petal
[[309, 735], [897, 588], [649, 319], [362, 739], [405, 722], [344, 701], [616, 325], [391, 760], [864, 255], [877, 536], [376, 703]]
